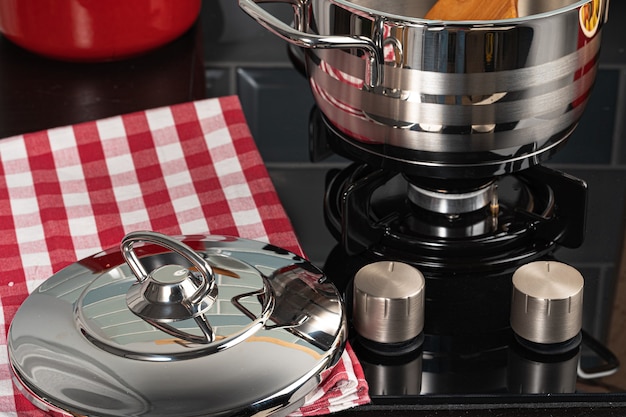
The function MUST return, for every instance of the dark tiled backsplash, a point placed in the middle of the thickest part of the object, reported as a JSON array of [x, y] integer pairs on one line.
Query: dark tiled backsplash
[[276, 103], [254, 64]]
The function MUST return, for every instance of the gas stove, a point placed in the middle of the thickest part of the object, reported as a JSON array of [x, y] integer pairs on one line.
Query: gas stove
[[468, 222], [468, 236]]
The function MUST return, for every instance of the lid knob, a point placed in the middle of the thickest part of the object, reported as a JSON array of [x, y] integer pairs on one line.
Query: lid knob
[[169, 292], [547, 302]]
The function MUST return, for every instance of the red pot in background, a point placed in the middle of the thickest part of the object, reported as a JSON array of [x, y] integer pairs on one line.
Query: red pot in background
[[95, 30]]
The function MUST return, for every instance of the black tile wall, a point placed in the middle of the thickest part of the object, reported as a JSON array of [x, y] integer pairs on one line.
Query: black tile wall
[[613, 39], [276, 102], [599, 286], [218, 82]]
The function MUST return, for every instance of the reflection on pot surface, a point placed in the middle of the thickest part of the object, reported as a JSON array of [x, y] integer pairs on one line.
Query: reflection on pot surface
[[465, 98]]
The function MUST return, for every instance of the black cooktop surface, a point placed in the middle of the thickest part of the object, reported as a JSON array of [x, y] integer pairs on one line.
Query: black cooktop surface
[[471, 360]]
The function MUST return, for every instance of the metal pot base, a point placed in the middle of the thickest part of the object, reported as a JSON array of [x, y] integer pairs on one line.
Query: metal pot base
[[433, 164]]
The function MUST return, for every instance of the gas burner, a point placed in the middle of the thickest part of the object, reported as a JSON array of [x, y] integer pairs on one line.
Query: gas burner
[[466, 255], [451, 197], [451, 209], [446, 225], [467, 237]]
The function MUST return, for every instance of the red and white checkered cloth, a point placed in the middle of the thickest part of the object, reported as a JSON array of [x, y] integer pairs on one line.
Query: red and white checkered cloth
[[69, 192]]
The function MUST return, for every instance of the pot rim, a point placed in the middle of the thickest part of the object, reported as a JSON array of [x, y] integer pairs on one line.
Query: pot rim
[[419, 21]]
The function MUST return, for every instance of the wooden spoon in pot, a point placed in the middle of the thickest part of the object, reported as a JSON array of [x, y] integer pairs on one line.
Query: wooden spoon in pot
[[473, 10]]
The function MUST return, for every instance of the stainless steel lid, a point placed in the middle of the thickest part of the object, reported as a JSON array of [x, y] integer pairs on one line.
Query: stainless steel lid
[[199, 325]]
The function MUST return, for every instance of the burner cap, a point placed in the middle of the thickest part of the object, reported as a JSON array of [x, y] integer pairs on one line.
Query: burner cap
[[440, 197]]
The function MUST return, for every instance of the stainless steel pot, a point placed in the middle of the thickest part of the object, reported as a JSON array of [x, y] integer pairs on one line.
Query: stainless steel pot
[[206, 326], [472, 98]]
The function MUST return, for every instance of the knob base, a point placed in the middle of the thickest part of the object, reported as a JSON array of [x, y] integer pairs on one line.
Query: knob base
[[550, 348], [391, 349]]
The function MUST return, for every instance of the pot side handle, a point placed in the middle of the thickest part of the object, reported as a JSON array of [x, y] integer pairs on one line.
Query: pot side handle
[[375, 56]]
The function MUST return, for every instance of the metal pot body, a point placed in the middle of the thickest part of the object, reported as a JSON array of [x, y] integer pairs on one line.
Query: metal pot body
[[454, 97]]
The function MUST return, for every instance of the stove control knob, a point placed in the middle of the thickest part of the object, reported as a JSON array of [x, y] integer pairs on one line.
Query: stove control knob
[[547, 302], [388, 302]]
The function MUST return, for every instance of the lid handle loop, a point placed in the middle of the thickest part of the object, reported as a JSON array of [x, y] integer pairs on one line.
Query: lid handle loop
[[207, 282]]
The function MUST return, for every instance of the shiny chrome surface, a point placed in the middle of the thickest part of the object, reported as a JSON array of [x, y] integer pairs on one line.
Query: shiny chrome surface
[[500, 94], [297, 37], [547, 302], [451, 202], [74, 345], [169, 292], [388, 302]]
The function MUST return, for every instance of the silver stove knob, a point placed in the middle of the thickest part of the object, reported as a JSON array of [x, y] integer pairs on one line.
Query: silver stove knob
[[388, 302], [547, 302]]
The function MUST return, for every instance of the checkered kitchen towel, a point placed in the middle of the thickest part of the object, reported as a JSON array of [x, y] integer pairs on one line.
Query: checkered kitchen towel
[[69, 192]]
